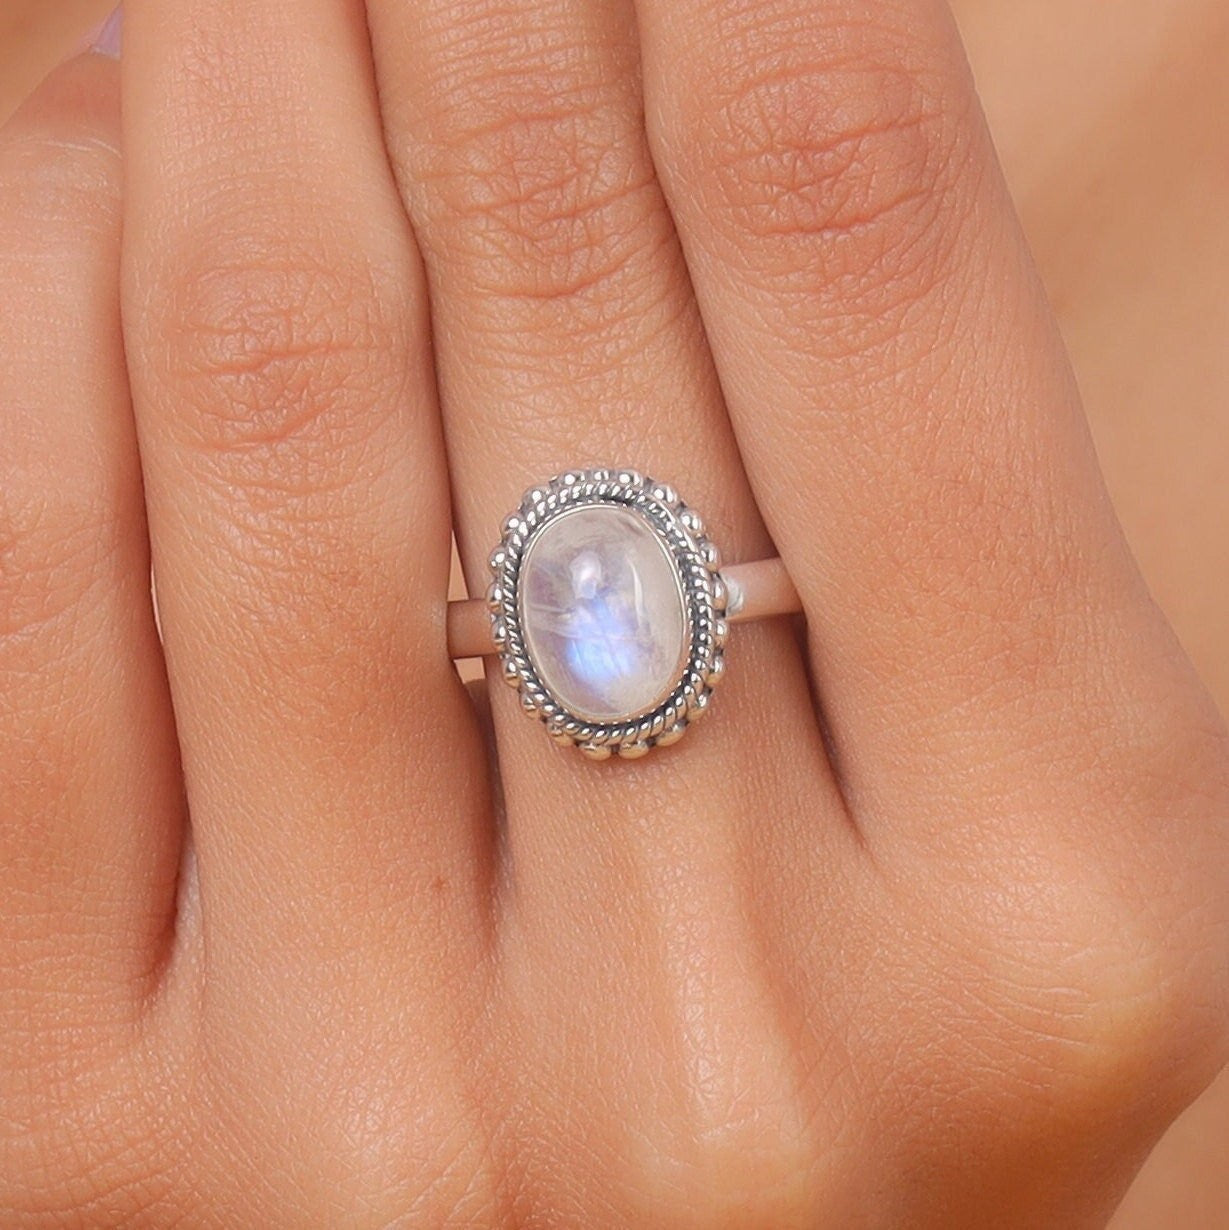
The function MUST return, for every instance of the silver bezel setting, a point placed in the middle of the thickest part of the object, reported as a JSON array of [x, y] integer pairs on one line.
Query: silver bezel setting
[[697, 561]]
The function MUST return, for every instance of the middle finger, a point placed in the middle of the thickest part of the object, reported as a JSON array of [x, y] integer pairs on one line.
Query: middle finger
[[294, 474]]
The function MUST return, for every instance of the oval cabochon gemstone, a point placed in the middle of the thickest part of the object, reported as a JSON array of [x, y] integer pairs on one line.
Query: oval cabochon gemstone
[[603, 614]]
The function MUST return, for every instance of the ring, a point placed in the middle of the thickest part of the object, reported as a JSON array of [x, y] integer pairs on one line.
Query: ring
[[610, 610]]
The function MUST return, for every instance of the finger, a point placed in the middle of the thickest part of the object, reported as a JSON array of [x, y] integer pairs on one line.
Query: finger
[[89, 781], [566, 338], [566, 333], [897, 386], [295, 482]]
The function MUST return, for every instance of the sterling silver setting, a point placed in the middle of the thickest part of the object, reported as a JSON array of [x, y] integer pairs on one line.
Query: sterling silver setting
[[680, 531]]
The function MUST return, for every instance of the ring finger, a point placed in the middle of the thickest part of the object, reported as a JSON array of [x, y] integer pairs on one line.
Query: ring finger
[[566, 338]]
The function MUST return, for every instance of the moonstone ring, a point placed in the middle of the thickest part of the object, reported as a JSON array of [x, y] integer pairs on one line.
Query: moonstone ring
[[610, 611]]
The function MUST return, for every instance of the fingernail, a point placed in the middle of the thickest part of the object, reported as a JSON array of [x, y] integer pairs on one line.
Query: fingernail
[[107, 39]]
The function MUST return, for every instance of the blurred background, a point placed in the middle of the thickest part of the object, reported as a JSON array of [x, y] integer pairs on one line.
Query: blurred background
[[1112, 121]]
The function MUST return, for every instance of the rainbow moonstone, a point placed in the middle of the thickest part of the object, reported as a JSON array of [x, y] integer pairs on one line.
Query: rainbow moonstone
[[602, 613]]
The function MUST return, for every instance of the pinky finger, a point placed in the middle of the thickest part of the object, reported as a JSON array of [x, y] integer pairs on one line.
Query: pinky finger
[[89, 779]]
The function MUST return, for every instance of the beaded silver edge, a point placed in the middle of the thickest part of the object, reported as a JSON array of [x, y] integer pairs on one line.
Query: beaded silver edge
[[698, 562]]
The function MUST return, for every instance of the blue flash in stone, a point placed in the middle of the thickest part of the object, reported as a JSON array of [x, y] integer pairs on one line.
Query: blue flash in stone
[[607, 629], [603, 612]]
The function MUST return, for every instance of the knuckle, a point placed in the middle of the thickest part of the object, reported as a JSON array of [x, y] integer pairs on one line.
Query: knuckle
[[549, 197], [1141, 928], [743, 1148], [1172, 774], [268, 348], [1078, 983], [759, 1175], [833, 170]]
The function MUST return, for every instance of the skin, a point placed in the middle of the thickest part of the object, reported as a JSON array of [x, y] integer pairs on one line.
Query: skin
[[1120, 209], [1025, 847]]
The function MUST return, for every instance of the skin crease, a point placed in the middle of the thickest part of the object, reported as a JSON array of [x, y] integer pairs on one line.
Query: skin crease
[[1121, 208]]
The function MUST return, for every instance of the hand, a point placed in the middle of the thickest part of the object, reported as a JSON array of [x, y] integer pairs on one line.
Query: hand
[[925, 926]]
